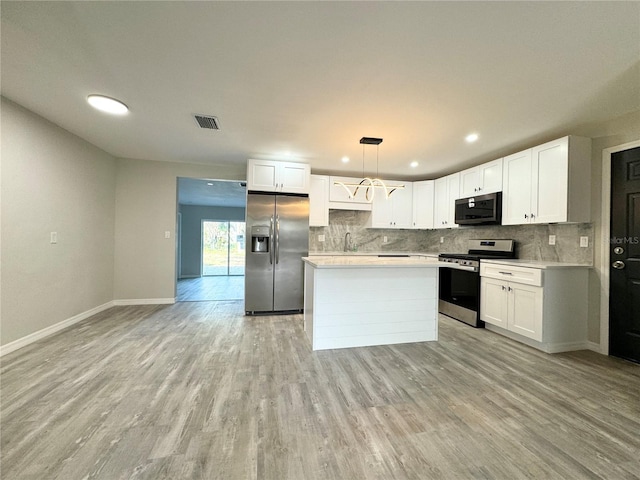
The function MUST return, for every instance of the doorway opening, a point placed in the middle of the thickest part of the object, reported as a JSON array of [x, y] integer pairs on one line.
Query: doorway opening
[[210, 247]]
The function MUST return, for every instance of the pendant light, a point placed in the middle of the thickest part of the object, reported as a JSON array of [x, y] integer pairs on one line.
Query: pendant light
[[368, 185]]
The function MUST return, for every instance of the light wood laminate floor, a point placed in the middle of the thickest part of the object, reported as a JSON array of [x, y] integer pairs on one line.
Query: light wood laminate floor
[[198, 391], [225, 287]]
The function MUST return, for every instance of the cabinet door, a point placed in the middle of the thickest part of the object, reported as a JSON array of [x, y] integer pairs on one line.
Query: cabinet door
[[402, 205], [516, 197], [423, 204], [262, 175], [525, 310], [319, 201], [293, 177], [453, 192], [469, 182], [493, 302], [382, 210], [551, 181], [441, 202], [490, 177]]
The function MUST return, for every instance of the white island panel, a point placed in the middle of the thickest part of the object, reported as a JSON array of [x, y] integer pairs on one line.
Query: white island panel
[[364, 306]]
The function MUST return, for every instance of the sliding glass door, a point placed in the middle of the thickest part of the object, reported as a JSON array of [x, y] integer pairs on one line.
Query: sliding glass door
[[223, 248]]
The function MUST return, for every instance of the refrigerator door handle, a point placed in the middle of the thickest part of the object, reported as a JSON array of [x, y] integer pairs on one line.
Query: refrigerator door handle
[[271, 240], [277, 239]]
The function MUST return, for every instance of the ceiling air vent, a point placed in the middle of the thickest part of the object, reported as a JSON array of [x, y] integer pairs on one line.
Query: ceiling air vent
[[207, 121]]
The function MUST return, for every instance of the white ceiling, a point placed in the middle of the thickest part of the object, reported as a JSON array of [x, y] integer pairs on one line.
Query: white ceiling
[[305, 80]]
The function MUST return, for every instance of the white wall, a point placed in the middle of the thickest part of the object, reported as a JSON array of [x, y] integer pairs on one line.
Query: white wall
[[52, 181], [146, 206]]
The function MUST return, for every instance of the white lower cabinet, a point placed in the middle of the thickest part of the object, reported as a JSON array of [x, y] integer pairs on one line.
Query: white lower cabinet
[[542, 307], [512, 306]]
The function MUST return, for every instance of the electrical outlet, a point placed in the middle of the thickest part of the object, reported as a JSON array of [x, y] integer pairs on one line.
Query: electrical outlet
[[384, 239], [584, 242], [441, 239], [167, 234], [552, 239], [54, 237], [321, 238]]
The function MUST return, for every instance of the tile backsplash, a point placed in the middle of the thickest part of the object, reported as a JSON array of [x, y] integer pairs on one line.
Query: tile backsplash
[[532, 241]]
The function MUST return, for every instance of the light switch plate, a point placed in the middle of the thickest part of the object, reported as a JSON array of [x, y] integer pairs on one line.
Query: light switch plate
[[54, 237], [552, 239], [167, 234], [584, 242], [321, 238], [441, 239], [384, 239]]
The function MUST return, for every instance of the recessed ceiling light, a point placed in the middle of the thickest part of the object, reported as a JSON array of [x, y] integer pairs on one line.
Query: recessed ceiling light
[[345, 159], [414, 164], [107, 104], [472, 137]]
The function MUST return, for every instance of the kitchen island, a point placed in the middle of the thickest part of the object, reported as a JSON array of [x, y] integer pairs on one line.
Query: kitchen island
[[356, 301]]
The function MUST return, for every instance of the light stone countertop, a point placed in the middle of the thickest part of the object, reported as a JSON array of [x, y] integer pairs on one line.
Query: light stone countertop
[[370, 261], [534, 263], [371, 254]]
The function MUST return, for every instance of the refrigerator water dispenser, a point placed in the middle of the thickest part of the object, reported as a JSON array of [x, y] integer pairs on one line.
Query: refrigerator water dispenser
[[260, 239]]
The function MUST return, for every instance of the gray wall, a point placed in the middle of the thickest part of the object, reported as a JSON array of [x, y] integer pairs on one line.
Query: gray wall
[[52, 181], [146, 207], [191, 241]]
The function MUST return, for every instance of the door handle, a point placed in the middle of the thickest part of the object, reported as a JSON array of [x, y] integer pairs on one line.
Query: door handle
[[271, 238], [277, 239], [618, 265]]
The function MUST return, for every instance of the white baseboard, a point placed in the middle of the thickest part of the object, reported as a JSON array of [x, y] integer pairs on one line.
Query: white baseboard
[[595, 347], [45, 332], [145, 301]]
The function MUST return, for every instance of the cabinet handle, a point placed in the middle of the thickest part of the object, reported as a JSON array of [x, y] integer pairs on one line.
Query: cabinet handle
[[510, 289], [506, 273], [479, 189], [526, 216], [532, 216], [503, 288]]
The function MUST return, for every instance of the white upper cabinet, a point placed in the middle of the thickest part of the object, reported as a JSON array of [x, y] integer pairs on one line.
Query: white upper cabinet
[[395, 211], [319, 201], [423, 204], [485, 178], [446, 192], [274, 176], [549, 183]]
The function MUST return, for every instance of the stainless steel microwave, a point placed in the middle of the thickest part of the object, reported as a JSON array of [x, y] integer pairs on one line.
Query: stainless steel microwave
[[479, 210]]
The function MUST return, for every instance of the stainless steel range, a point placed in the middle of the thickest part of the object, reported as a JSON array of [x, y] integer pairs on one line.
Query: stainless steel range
[[460, 284]]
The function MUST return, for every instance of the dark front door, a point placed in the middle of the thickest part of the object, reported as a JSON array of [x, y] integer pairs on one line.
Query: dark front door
[[624, 306]]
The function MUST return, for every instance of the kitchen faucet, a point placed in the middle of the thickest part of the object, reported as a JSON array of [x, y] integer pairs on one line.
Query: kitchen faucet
[[347, 242]]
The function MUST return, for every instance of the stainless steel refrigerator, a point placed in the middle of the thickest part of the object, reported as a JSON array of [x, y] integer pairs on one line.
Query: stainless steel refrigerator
[[277, 229]]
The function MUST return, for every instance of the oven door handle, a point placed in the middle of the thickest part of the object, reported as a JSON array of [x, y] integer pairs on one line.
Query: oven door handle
[[461, 267]]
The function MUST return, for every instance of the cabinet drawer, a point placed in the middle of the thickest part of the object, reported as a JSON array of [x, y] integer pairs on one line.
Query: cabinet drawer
[[525, 275]]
